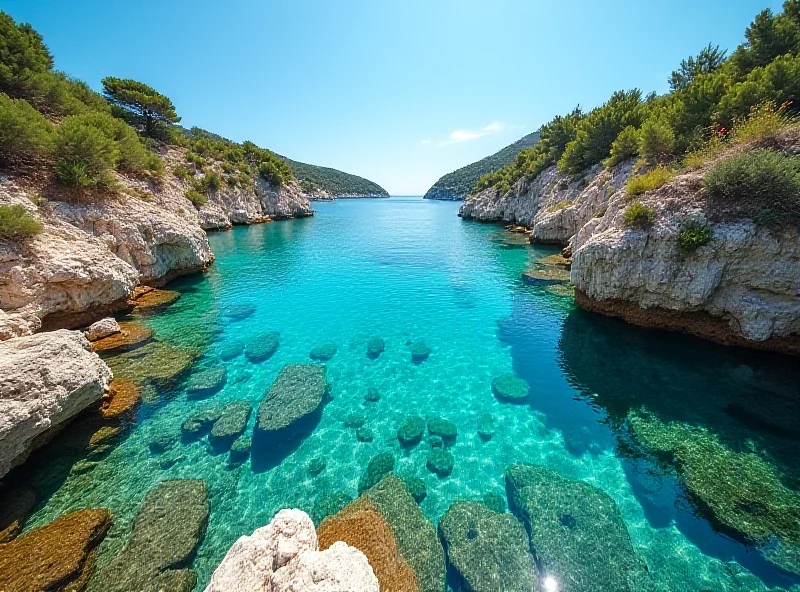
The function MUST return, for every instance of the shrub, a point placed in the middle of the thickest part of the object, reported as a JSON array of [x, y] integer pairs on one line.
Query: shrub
[[270, 172], [183, 173], [638, 215], [651, 180], [656, 141], [625, 146], [208, 182], [84, 153], [16, 223], [23, 130], [23, 55], [195, 159], [764, 121], [197, 198], [693, 235], [559, 206], [760, 184]]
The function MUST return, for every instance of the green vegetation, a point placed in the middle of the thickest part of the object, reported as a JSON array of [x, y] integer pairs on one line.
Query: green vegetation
[[652, 179], [141, 106], [330, 180], [638, 215], [23, 130], [761, 184], [692, 236], [17, 224], [559, 206], [197, 198], [710, 93], [457, 185]]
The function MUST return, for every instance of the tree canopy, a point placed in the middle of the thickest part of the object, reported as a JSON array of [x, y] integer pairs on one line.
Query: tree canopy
[[144, 108]]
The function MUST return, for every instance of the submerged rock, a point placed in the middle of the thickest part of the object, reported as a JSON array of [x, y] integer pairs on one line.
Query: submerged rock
[[387, 525], [495, 502], [15, 505], [200, 421], [416, 488], [410, 433], [444, 428], [162, 442], [152, 299], [284, 557], [130, 335], [378, 467], [328, 505], [263, 348], [102, 328], [206, 383], [486, 427], [168, 527], [355, 420], [420, 352], [510, 388], [230, 425], [364, 434], [375, 347], [58, 556], [577, 532], [104, 436], [240, 312], [440, 461], [155, 362], [230, 351], [489, 550], [373, 395], [323, 352], [47, 379], [295, 397], [545, 276], [316, 465], [122, 398], [240, 450]]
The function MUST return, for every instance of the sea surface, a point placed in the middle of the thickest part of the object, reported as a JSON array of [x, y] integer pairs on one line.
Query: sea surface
[[405, 270]]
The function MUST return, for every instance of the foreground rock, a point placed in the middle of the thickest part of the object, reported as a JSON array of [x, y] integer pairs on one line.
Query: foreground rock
[[122, 399], [157, 363], [386, 524], [45, 380], [284, 556], [489, 550], [294, 400], [576, 531], [130, 335], [168, 528], [56, 557]]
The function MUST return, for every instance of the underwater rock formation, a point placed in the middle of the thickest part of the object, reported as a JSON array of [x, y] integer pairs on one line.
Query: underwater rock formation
[[488, 550], [378, 467], [386, 524], [444, 428], [420, 352], [206, 383], [263, 348], [295, 397], [375, 347], [410, 433], [231, 424], [323, 352], [145, 299], [102, 328], [157, 363], [122, 398], [130, 334], [440, 461], [47, 379], [510, 388]]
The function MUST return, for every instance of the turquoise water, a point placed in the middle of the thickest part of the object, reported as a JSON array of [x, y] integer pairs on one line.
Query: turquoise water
[[406, 270]]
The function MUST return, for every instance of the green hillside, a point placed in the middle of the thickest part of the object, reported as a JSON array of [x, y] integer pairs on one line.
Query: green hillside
[[459, 183], [334, 182]]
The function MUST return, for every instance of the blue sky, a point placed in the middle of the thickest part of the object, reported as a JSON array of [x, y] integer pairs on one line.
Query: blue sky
[[400, 92]]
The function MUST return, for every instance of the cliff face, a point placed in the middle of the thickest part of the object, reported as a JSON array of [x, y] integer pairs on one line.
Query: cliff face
[[92, 253], [742, 288]]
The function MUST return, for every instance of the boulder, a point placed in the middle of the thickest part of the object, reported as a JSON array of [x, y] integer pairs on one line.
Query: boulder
[[161, 442], [316, 465], [263, 348], [444, 428], [410, 433], [156, 362], [328, 505], [378, 467], [355, 420], [488, 550], [296, 397], [123, 398], [45, 380], [364, 434], [104, 436], [577, 532], [15, 505], [102, 328], [375, 347], [323, 352], [229, 351], [57, 556], [240, 450], [240, 312], [373, 395], [387, 525], [284, 557], [153, 299], [510, 388], [419, 352], [440, 461], [486, 427], [207, 382], [230, 425], [167, 529], [130, 335], [200, 421], [416, 488]]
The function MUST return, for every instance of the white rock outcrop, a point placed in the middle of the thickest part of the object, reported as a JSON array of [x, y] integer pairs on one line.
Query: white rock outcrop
[[45, 380], [284, 557], [102, 328]]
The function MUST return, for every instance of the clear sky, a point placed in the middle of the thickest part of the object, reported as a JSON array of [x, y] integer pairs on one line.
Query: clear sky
[[398, 91]]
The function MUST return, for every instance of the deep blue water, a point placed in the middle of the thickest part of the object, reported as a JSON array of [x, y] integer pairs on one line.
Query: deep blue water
[[405, 270]]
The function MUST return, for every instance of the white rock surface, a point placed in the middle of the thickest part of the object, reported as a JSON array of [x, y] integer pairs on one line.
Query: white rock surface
[[102, 328], [45, 379], [284, 556]]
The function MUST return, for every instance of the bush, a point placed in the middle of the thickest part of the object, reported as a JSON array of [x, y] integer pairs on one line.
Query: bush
[[195, 159], [656, 141], [183, 173], [651, 180], [638, 215], [625, 146], [197, 198], [23, 130], [208, 182], [23, 55], [764, 121], [760, 184], [84, 153], [692, 236], [16, 223], [270, 172]]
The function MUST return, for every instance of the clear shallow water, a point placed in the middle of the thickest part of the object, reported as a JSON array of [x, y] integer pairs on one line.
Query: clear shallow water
[[405, 270]]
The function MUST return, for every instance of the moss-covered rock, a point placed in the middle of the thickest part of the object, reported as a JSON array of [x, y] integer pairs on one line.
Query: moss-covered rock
[[240, 450], [444, 428], [328, 505], [323, 352], [355, 420], [296, 397], [375, 347], [373, 395], [131, 335], [576, 531], [489, 550], [486, 427], [153, 299], [316, 465], [167, 529], [230, 351], [416, 487], [161, 442], [57, 557], [440, 461], [495, 502], [263, 347], [420, 352], [230, 425], [200, 422], [206, 383], [378, 467], [122, 399], [364, 434], [410, 433], [104, 436], [510, 389], [156, 362]]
